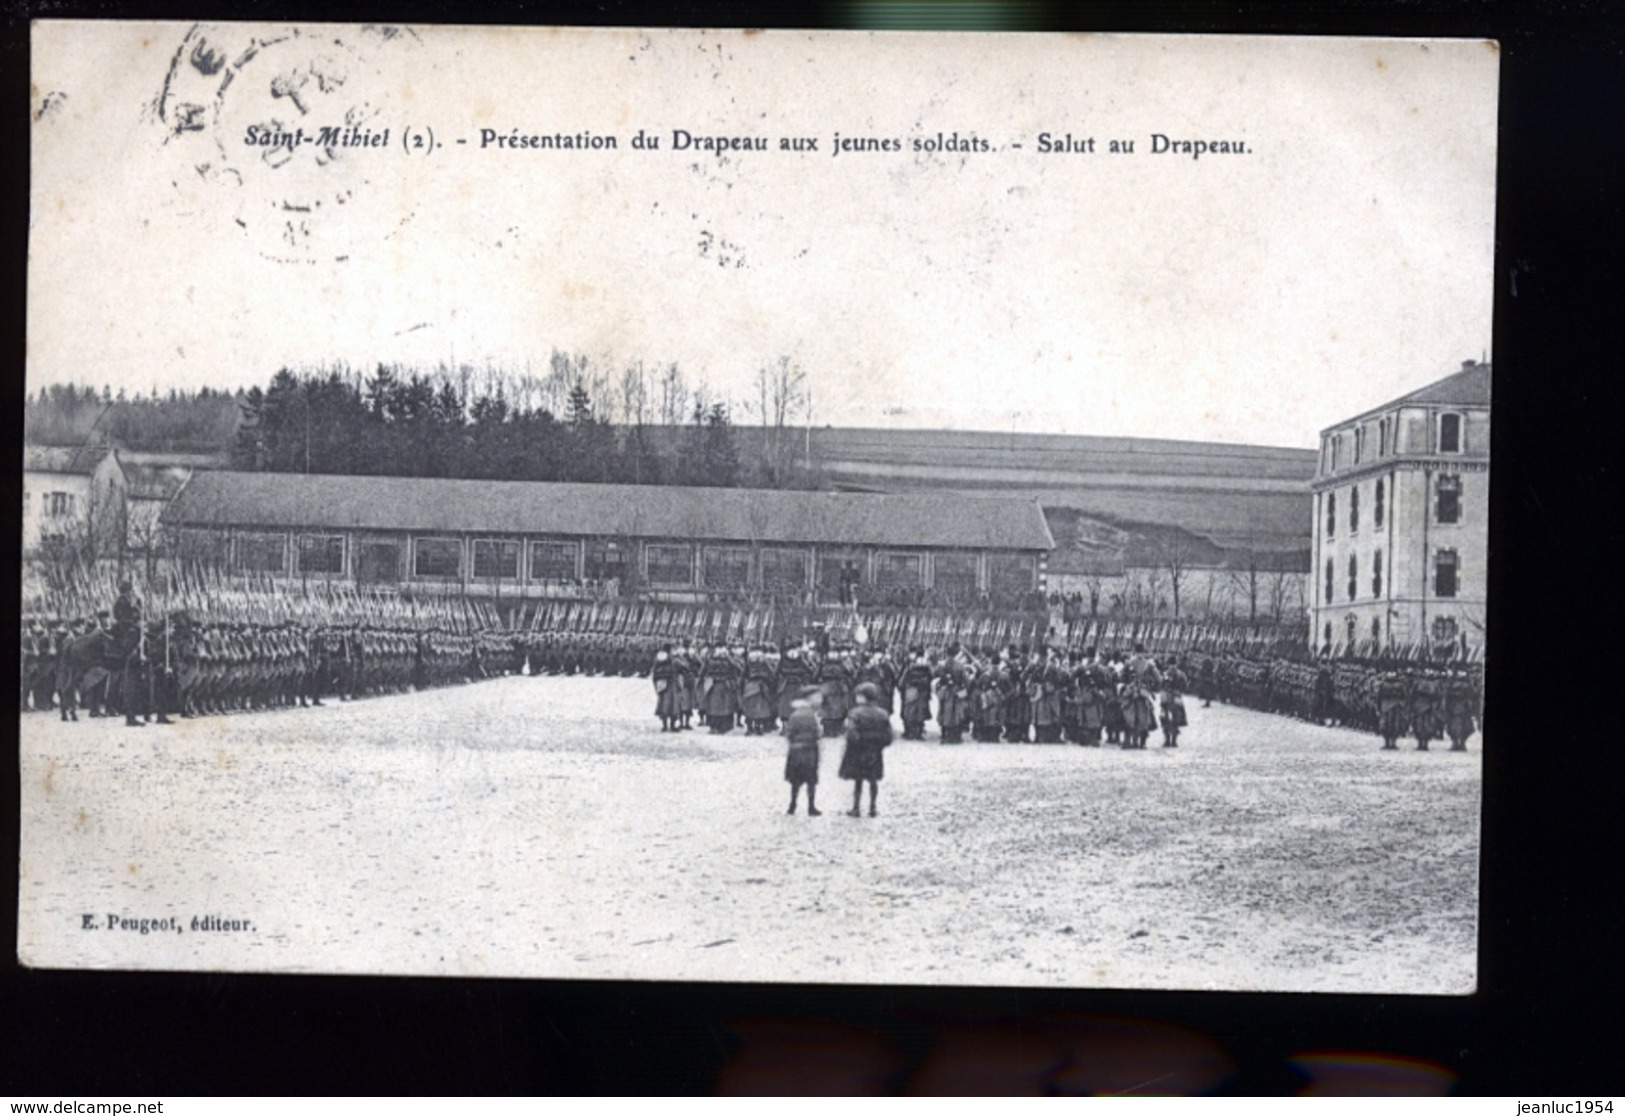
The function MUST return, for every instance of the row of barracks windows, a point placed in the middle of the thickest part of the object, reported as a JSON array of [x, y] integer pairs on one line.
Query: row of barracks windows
[[1352, 631], [1446, 504], [1446, 576], [1444, 628], [1354, 577], [668, 565], [1378, 508], [56, 505], [1450, 439]]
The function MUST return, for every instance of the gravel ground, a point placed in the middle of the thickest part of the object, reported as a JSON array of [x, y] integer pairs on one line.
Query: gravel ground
[[546, 827]]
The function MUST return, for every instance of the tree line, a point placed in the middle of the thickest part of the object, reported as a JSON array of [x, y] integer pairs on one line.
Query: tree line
[[578, 421], [202, 421]]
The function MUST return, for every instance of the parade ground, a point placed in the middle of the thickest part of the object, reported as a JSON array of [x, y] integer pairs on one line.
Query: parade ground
[[546, 827]]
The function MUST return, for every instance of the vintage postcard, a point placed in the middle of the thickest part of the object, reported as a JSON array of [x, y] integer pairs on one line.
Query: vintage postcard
[[972, 509]]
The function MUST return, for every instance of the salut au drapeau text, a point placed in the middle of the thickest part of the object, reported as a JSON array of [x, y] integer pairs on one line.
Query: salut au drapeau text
[[687, 141]]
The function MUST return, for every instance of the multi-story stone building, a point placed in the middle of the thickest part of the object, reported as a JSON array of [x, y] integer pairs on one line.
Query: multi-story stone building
[[1401, 528]]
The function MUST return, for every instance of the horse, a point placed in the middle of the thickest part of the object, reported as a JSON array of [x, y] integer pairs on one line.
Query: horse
[[97, 659], [39, 672]]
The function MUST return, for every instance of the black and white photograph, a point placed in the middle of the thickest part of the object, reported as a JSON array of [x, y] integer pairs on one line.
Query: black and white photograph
[[845, 508]]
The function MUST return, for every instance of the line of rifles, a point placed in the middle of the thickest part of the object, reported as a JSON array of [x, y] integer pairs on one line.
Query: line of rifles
[[1018, 694]]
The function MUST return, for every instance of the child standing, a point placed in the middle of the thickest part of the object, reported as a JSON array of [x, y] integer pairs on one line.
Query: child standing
[[868, 734], [803, 729]]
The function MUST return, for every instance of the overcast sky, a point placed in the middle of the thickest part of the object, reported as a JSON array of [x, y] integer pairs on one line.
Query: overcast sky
[[1345, 259]]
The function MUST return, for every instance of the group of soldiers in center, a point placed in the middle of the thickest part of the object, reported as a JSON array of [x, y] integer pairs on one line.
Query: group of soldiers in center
[[1021, 695]]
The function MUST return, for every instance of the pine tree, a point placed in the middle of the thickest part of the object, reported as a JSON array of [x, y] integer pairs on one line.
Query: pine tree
[[719, 462]]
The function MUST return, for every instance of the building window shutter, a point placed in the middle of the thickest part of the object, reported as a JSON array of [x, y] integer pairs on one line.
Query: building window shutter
[[1445, 573], [1450, 433], [1447, 508]]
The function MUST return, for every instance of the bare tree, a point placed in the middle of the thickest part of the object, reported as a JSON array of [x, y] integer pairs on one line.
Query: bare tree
[[701, 402], [1142, 594], [145, 535], [1174, 559], [781, 397], [634, 395], [635, 414], [673, 396], [1245, 581], [1284, 590]]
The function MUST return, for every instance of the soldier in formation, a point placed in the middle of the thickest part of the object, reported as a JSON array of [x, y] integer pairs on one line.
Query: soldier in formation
[[216, 660], [1391, 697], [1173, 704], [916, 684], [209, 660]]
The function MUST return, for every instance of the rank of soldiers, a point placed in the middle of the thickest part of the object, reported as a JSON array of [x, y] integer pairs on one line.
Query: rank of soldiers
[[1392, 697], [247, 651], [191, 661], [1020, 694]]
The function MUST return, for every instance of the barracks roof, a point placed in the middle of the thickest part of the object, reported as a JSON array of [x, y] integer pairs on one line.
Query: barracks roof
[[423, 505], [154, 482], [82, 460], [1468, 388]]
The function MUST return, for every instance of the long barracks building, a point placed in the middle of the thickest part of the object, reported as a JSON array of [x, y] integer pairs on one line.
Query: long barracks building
[[513, 539]]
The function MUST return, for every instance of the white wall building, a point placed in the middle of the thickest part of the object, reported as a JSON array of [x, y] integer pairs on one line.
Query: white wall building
[[73, 501]]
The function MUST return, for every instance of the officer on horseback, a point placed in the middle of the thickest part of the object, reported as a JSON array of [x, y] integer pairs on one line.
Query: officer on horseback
[[126, 610]]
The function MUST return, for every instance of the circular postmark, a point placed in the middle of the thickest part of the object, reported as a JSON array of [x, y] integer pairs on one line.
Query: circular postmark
[[286, 131]]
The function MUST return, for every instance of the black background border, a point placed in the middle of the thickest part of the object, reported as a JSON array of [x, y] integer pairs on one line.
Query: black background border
[[1544, 1022]]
